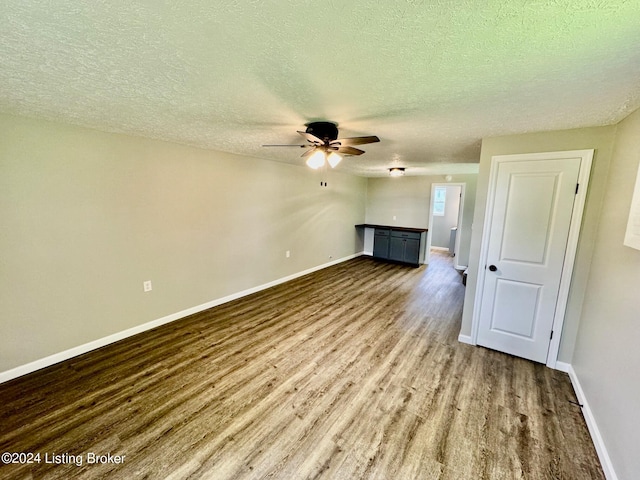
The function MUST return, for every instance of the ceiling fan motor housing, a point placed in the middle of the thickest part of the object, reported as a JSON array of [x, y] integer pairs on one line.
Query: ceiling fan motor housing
[[326, 131]]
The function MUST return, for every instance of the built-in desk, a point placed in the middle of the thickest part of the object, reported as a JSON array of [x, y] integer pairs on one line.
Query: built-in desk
[[398, 244]]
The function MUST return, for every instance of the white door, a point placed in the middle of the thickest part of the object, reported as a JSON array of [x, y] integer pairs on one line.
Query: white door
[[529, 226]]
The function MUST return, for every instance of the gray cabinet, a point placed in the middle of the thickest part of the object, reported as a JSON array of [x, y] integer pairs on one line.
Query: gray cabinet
[[405, 247], [399, 245], [381, 243], [396, 249]]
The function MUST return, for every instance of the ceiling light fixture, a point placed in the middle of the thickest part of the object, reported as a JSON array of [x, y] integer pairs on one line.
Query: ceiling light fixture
[[318, 159], [334, 159], [396, 171]]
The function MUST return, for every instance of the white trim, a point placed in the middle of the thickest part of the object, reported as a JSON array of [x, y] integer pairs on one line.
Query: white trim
[[570, 255], [456, 248], [101, 342], [590, 420], [444, 249], [572, 241], [465, 339], [563, 367]]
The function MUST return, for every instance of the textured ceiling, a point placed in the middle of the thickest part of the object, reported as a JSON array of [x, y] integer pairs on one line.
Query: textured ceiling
[[430, 78]]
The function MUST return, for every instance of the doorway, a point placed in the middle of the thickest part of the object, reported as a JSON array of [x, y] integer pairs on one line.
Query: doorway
[[534, 211], [445, 219]]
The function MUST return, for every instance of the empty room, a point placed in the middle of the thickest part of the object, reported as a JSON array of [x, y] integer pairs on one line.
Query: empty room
[[339, 240]]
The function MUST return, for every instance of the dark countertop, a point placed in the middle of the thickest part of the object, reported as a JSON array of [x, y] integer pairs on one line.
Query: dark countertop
[[392, 227]]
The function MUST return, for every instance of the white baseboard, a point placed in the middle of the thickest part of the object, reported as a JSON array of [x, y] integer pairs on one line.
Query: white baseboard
[[563, 367], [465, 339], [101, 342], [601, 448], [444, 249]]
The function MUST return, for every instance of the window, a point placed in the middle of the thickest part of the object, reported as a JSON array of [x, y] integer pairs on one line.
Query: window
[[439, 198]]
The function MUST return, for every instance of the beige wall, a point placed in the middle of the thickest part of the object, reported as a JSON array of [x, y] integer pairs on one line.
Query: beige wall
[[88, 216], [409, 199], [599, 138], [607, 353]]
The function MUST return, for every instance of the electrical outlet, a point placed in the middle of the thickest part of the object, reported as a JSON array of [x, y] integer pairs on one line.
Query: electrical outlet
[[287, 254], [394, 217], [147, 286]]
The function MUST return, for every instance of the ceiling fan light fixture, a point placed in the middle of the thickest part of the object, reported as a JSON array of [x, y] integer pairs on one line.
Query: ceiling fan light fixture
[[334, 159], [396, 171], [316, 160], [323, 144]]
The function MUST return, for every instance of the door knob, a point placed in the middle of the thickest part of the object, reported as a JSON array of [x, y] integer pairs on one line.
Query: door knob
[[493, 268]]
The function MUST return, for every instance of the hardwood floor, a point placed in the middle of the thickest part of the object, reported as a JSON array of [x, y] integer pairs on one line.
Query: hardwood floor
[[353, 372]]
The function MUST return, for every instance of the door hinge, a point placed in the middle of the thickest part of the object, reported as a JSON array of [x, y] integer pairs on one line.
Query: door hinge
[[551, 337], [577, 187]]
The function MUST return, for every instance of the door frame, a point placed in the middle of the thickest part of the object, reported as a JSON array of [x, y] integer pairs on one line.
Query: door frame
[[586, 159], [462, 186]]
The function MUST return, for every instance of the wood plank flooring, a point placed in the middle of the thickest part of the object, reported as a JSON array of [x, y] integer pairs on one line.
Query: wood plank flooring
[[353, 372]]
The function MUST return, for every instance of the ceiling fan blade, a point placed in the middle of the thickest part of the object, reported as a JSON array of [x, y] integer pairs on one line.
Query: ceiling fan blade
[[308, 152], [349, 150], [356, 140], [287, 145], [311, 138]]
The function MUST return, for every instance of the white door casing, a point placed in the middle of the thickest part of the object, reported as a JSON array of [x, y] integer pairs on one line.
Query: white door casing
[[530, 234]]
